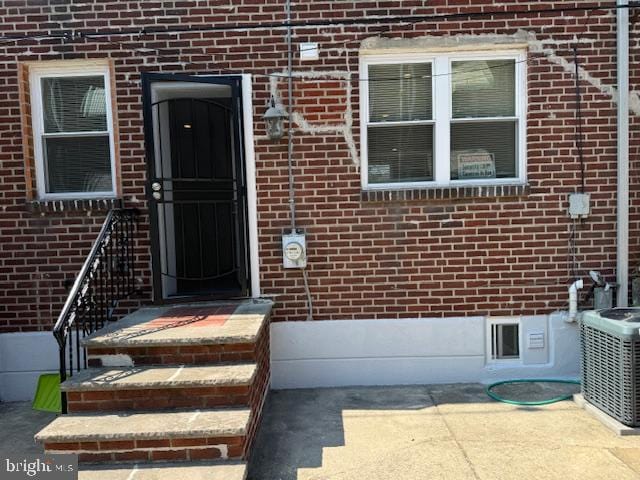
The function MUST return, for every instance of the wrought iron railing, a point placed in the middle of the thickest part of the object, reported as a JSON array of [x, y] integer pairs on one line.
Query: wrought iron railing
[[106, 278]]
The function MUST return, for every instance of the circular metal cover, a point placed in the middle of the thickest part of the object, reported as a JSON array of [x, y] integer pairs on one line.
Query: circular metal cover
[[622, 314]]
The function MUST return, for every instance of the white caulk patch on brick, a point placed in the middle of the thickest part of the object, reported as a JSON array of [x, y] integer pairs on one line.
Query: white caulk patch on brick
[[540, 46], [224, 451], [345, 129], [545, 46], [118, 360]]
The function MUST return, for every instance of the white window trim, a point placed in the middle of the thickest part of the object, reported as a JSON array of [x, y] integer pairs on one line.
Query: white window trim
[[36, 74], [441, 93], [493, 321]]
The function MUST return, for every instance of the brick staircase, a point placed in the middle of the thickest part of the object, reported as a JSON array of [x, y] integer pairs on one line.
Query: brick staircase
[[171, 392]]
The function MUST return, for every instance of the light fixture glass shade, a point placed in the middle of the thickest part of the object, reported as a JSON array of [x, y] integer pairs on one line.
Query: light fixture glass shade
[[274, 119], [275, 128]]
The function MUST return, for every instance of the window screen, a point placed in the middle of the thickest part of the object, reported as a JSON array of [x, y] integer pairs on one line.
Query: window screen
[[400, 130], [75, 141], [484, 127], [505, 341]]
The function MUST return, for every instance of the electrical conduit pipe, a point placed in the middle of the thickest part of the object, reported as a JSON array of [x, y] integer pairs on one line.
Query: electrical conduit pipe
[[573, 299]]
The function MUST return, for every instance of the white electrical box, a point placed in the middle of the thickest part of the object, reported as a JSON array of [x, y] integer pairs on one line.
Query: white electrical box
[[309, 51], [535, 339], [294, 250], [579, 205]]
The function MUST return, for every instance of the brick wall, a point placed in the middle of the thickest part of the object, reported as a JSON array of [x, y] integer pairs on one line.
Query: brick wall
[[368, 257]]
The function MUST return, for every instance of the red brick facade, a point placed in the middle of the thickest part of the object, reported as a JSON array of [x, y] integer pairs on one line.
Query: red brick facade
[[413, 254]]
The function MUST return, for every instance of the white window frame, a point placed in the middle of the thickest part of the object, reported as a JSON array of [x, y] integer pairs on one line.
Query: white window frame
[[489, 347], [443, 117], [36, 74]]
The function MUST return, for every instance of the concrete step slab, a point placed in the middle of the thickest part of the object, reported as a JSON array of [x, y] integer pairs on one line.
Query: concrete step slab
[[212, 323], [145, 426], [169, 471], [155, 377], [160, 388]]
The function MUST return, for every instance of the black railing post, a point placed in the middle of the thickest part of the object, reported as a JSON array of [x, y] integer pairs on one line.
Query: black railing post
[[63, 375]]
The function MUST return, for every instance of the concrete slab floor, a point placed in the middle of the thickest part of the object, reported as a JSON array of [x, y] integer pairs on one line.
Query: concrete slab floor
[[447, 432], [18, 424], [451, 432]]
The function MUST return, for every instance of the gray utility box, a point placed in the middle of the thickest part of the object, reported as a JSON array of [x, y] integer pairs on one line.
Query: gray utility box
[[610, 341]]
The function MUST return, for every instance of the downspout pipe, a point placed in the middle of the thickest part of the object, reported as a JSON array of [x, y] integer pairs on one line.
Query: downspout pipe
[[622, 252], [573, 299]]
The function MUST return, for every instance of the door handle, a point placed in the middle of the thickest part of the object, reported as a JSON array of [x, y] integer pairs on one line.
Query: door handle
[[156, 187]]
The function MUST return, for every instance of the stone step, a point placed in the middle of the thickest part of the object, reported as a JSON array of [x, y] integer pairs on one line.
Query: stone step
[[152, 388], [186, 324], [168, 471], [195, 334], [157, 436]]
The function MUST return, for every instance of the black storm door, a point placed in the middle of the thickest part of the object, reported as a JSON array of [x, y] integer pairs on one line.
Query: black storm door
[[196, 188]]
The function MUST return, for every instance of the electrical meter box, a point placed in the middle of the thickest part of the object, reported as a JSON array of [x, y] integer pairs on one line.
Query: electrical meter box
[[294, 250]]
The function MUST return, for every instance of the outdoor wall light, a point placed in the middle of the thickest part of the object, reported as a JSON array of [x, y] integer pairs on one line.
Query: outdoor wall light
[[274, 118]]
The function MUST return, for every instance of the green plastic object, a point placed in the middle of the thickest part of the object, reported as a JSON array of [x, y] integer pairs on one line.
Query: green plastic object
[[560, 398], [48, 398]]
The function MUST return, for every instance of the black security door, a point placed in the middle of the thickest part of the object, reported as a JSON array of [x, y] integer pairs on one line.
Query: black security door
[[197, 187]]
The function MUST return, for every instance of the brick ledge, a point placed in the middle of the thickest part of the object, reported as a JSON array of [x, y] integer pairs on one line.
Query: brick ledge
[[444, 193]]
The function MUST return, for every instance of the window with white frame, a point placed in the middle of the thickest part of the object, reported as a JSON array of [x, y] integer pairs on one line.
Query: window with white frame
[[445, 119], [73, 131], [503, 339]]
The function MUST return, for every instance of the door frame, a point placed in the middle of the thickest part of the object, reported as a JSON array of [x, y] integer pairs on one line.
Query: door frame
[[242, 92]]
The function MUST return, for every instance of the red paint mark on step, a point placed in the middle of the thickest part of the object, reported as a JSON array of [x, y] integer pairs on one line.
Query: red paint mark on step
[[193, 317]]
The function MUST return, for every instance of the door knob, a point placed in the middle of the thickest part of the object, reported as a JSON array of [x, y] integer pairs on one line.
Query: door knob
[[156, 187]]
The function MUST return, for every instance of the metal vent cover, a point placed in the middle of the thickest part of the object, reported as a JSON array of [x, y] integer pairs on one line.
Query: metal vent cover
[[611, 370]]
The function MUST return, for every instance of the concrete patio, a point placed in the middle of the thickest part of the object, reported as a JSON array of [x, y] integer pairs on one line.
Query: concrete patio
[[451, 432], [18, 424]]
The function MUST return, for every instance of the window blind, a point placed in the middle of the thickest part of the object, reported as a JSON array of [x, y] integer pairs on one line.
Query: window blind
[[492, 141], [402, 151], [74, 104], [400, 92], [76, 146], [78, 164], [483, 89]]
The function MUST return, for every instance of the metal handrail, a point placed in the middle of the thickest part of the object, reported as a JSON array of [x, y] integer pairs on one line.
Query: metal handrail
[[106, 277]]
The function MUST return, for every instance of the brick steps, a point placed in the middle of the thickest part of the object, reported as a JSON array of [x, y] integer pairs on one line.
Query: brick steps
[[181, 384], [153, 387], [194, 471], [158, 436]]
